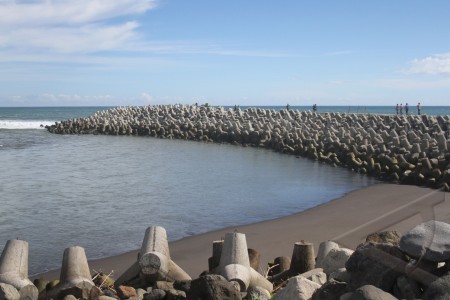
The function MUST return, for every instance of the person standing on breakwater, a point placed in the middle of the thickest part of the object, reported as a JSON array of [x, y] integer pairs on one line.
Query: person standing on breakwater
[[396, 109], [287, 106], [418, 108], [314, 108], [401, 108], [406, 108]]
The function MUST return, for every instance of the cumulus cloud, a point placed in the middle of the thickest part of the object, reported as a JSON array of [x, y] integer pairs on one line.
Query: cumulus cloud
[[435, 64]]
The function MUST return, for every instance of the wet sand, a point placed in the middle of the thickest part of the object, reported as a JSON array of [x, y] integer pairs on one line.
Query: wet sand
[[346, 220]]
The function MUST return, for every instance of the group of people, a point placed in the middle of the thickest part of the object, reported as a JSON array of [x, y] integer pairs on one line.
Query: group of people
[[399, 109]]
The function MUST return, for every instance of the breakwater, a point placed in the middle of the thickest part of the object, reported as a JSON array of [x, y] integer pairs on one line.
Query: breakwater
[[408, 149], [385, 266]]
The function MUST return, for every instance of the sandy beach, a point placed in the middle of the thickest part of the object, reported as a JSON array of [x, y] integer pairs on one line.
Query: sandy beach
[[346, 220]]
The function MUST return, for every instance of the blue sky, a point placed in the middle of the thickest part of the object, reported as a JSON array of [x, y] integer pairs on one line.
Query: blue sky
[[247, 52]]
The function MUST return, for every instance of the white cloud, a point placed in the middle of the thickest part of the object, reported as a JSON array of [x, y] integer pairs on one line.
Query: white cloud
[[83, 39], [103, 33], [435, 64], [68, 26], [147, 98], [68, 12]]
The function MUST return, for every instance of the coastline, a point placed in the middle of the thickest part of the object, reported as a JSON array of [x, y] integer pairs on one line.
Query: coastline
[[398, 148], [347, 220]]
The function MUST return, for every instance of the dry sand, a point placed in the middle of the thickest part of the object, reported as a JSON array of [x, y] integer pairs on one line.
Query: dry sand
[[346, 220]]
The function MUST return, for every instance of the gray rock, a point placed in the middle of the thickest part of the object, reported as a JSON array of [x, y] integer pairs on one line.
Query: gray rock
[[407, 288], [439, 289], [155, 294], [346, 296], [8, 292], [370, 292], [257, 293], [81, 291], [106, 298], [316, 275], [213, 287], [384, 237], [340, 275], [173, 294], [109, 293], [70, 297], [336, 259], [140, 293], [375, 264], [182, 285], [428, 240], [332, 290], [298, 288]]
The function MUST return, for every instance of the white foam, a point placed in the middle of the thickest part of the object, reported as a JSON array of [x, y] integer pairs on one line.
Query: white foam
[[24, 124]]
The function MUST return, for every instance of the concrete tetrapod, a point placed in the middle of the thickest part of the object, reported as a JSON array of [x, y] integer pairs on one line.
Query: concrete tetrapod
[[75, 275], [154, 258], [14, 268], [324, 249], [235, 264], [368, 144], [303, 260], [214, 260], [154, 262]]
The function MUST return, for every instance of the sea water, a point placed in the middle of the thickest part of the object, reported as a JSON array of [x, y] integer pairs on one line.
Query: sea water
[[102, 192]]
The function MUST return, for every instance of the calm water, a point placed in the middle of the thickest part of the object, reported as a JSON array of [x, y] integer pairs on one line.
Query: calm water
[[102, 192]]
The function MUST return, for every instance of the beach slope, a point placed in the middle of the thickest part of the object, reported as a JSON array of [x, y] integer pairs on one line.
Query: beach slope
[[346, 220]]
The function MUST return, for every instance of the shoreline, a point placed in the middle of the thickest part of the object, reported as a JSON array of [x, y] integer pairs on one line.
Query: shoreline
[[346, 220], [400, 148]]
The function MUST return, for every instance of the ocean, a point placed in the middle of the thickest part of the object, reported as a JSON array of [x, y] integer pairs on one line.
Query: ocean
[[102, 192]]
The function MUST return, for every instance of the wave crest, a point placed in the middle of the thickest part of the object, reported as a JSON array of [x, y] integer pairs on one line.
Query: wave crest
[[24, 124]]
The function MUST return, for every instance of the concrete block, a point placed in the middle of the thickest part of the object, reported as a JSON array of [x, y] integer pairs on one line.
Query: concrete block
[[14, 268]]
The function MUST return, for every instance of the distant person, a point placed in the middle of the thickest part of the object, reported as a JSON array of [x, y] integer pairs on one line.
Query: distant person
[[419, 107], [401, 108], [406, 108], [287, 106], [397, 108], [314, 107]]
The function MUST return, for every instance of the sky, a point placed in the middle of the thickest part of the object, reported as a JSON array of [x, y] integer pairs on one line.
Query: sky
[[245, 52]]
